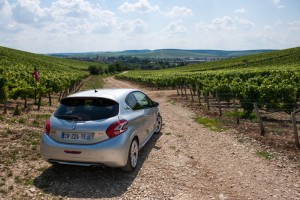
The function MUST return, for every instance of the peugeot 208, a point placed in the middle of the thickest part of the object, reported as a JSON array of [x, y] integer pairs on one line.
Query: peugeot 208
[[104, 127]]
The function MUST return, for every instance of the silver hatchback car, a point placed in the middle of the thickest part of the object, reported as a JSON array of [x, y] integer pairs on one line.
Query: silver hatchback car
[[104, 127]]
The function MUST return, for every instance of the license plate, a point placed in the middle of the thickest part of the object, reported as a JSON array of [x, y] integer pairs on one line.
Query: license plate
[[76, 136]]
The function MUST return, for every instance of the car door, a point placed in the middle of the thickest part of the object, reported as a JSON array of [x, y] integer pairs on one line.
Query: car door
[[136, 117], [148, 113]]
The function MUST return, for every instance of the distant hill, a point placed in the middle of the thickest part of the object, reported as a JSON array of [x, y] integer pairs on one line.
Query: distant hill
[[165, 53], [287, 58]]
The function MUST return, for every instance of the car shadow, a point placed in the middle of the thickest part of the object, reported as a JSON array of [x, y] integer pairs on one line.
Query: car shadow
[[91, 182]]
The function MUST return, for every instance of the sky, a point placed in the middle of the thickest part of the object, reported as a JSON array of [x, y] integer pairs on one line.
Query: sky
[[61, 26]]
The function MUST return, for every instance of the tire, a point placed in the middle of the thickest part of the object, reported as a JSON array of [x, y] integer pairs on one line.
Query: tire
[[133, 155], [158, 124]]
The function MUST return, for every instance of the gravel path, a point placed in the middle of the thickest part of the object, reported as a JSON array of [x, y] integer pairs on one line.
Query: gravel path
[[187, 161], [184, 161]]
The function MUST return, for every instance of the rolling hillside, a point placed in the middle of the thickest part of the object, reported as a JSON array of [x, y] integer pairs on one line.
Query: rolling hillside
[[289, 57], [164, 53], [56, 74]]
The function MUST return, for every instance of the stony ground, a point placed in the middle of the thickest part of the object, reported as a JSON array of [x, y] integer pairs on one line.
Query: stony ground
[[184, 161]]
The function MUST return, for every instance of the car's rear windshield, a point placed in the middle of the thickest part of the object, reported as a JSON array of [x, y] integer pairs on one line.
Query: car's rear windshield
[[86, 109]]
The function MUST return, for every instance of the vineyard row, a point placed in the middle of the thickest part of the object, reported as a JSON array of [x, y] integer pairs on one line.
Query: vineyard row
[[272, 89]]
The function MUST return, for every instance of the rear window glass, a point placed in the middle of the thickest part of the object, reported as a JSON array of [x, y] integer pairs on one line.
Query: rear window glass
[[86, 109]]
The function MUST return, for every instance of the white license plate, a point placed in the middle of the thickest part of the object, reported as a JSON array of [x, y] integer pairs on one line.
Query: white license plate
[[76, 136]]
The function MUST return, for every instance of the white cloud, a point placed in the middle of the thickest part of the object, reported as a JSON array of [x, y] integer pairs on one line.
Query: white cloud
[[79, 16], [134, 27], [102, 27], [179, 12], [240, 10], [225, 23], [6, 24], [140, 6], [176, 27], [28, 12], [3, 4], [67, 23], [268, 27], [75, 16], [86, 25], [72, 9], [278, 4], [294, 25], [244, 23]]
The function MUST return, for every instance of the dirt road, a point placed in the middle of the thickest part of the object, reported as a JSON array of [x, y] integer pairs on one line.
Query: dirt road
[[187, 161], [184, 161]]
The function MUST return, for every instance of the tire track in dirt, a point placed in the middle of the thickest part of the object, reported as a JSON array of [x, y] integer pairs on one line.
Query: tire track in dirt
[[188, 161]]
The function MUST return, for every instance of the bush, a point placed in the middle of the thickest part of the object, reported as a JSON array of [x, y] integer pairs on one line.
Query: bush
[[2, 89], [95, 70]]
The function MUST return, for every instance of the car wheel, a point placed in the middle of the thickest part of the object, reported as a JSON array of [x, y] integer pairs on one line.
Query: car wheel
[[133, 156], [158, 124]]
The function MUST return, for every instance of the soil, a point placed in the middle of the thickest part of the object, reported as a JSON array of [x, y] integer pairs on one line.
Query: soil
[[184, 161]]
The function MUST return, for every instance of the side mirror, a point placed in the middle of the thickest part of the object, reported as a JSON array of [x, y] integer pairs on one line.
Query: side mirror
[[155, 104]]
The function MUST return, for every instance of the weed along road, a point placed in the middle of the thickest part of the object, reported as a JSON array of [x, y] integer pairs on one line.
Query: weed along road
[[187, 161]]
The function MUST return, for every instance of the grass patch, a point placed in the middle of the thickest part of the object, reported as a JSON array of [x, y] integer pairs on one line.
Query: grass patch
[[2, 184], [17, 111], [21, 121], [9, 174], [43, 116], [264, 154], [276, 131], [171, 102], [3, 191], [242, 139], [210, 123], [173, 147], [93, 82], [241, 115], [24, 181], [36, 123]]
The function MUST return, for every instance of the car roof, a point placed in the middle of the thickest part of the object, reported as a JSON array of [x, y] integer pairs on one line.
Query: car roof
[[113, 93]]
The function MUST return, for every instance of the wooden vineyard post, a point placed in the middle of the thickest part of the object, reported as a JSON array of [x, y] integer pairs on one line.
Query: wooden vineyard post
[[236, 112], [191, 90], [5, 107], [60, 95], [207, 101], [296, 135], [199, 98], [181, 91], [49, 97], [177, 90], [25, 102], [40, 101], [260, 122], [218, 101], [186, 96]]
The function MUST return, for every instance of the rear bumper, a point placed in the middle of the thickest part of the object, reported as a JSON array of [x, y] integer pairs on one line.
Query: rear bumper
[[112, 152]]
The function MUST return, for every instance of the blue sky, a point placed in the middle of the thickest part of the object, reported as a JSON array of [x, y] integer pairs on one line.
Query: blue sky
[[44, 26]]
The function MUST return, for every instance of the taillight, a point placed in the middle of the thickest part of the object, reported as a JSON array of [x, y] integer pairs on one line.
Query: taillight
[[116, 128], [47, 127]]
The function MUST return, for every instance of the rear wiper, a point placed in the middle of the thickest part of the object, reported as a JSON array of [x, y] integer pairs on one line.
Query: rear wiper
[[69, 117]]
